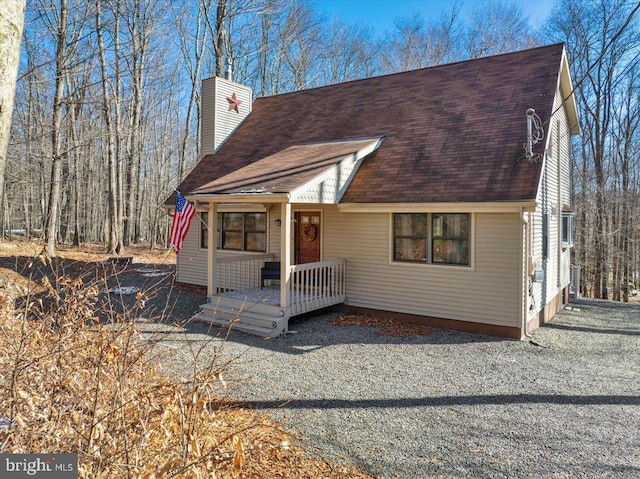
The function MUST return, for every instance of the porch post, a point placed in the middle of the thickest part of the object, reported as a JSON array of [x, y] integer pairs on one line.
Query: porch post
[[285, 254], [212, 253]]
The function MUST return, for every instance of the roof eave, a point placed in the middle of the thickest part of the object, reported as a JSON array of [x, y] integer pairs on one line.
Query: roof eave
[[443, 207], [240, 197]]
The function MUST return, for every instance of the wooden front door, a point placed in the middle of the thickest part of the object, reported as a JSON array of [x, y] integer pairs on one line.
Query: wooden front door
[[308, 230]]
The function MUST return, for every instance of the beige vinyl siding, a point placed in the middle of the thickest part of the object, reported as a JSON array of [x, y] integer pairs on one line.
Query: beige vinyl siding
[[218, 123], [207, 115], [488, 292], [191, 263]]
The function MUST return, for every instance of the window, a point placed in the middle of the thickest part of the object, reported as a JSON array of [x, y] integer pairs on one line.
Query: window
[[567, 229], [204, 232], [237, 231], [438, 238], [450, 239], [410, 237], [232, 231], [255, 231]]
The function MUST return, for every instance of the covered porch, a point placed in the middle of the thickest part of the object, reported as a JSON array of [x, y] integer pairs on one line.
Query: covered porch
[[242, 304], [289, 188]]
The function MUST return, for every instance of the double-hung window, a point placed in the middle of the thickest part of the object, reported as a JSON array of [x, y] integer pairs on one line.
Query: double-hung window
[[237, 231], [437, 238]]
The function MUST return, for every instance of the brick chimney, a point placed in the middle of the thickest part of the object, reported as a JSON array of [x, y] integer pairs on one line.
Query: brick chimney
[[224, 106]]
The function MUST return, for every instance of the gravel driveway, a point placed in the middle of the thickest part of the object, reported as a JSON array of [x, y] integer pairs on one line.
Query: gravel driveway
[[448, 404]]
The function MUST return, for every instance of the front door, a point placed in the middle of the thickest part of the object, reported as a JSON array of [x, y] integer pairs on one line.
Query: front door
[[307, 236]]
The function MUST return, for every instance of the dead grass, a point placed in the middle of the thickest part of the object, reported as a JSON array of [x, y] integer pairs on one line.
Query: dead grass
[[389, 327], [72, 383], [88, 252]]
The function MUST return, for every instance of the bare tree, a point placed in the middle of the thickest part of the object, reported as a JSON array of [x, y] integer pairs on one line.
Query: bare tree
[[498, 27], [108, 124], [416, 43], [11, 23], [348, 53], [111, 116], [58, 21], [603, 40], [192, 47]]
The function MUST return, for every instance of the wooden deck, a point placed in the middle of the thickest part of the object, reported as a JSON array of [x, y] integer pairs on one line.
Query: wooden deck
[[313, 286]]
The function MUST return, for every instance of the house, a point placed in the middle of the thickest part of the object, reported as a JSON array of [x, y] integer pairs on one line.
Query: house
[[440, 195]]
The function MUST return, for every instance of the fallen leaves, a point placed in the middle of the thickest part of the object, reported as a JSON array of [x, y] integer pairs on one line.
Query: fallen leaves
[[389, 327], [71, 383]]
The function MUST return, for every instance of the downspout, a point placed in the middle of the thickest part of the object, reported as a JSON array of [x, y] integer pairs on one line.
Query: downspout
[[524, 287]]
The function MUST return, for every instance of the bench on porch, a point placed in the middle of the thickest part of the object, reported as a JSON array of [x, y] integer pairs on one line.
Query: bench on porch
[[270, 270]]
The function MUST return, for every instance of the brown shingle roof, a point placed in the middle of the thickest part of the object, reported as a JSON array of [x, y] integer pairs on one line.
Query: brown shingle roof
[[286, 170], [453, 132]]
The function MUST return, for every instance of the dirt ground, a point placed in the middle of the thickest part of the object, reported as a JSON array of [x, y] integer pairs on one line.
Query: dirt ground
[[122, 281]]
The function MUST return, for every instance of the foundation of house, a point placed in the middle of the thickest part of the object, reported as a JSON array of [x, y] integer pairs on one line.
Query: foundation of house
[[457, 325]]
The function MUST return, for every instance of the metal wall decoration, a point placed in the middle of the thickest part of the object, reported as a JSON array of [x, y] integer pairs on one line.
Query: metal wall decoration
[[234, 103]]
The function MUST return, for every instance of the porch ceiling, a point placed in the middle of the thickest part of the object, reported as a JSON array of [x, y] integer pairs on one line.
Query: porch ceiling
[[290, 169]]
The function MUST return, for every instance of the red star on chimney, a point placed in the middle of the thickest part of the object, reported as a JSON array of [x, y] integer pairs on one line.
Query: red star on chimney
[[234, 103]]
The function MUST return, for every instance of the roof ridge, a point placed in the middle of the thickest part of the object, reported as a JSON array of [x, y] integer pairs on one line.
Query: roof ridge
[[432, 67]]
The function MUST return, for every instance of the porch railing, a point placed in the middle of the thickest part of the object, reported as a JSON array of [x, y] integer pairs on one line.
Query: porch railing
[[316, 285], [240, 271]]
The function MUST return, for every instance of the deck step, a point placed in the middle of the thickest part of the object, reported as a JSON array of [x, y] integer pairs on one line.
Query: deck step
[[238, 326], [243, 305], [253, 322], [230, 313]]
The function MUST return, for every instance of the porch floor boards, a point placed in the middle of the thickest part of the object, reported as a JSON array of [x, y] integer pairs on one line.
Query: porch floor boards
[[268, 295]]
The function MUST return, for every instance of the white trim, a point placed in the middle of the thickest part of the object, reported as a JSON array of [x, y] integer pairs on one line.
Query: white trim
[[285, 259], [489, 207], [353, 160], [212, 251], [565, 86]]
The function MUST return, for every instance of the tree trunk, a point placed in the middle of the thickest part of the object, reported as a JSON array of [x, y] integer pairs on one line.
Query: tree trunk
[[112, 217], [51, 229], [11, 23]]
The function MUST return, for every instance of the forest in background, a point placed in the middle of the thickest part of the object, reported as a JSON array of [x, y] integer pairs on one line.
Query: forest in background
[[106, 112]]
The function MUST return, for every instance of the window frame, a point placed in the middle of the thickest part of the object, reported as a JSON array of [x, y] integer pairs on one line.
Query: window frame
[[425, 238], [566, 234], [243, 231], [429, 237], [246, 232]]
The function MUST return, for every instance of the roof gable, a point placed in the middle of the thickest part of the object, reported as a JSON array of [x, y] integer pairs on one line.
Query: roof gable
[[314, 173], [453, 133]]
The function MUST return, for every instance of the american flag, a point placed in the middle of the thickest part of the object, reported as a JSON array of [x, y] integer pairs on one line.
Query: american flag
[[181, 221]]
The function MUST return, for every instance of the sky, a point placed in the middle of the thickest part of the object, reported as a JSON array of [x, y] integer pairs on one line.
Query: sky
[[380, 14]]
